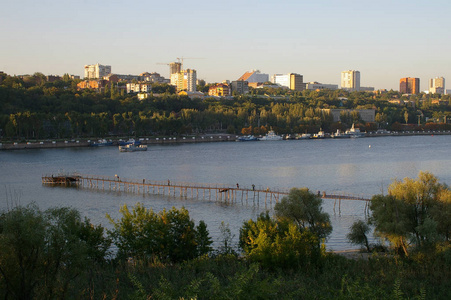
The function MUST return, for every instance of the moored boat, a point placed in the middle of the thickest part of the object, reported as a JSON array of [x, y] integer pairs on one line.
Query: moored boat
[[247, 138], [355, 132], [132, 148], [271, 136], [304, 136], [130, 141], [319, 135], [340, 135], [101, 143]]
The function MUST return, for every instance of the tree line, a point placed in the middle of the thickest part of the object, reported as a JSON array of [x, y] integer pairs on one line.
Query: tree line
[[32, 108]]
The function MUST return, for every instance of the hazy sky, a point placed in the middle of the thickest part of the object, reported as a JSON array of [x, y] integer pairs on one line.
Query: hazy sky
[[384, 39]]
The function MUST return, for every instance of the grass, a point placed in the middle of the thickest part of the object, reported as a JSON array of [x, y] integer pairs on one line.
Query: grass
[[230, 277]]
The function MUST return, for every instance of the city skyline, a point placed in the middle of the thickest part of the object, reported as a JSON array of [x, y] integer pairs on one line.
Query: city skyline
[[385, 41]]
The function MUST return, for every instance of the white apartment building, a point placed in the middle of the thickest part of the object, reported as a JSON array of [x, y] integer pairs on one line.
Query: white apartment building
[[350, 80], [437, 85], [281, 79], [292, 81], [185, 80], [138, 88], [96, 71]]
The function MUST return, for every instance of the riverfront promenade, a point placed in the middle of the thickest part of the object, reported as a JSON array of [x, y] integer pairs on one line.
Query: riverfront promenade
[[51, 144]]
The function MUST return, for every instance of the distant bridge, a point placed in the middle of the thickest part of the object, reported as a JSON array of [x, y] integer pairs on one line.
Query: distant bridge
[[218, 192]]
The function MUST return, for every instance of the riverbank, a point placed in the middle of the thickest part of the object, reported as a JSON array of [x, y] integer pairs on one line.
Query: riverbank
[[49, 144]]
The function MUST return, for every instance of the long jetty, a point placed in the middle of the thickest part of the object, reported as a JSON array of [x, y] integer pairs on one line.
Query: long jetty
[[230, 194]]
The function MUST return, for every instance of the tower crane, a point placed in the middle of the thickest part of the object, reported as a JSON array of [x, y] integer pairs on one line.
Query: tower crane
[[180, 59]]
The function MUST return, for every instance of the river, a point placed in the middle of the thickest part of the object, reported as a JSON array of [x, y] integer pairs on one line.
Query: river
[[363, 166]]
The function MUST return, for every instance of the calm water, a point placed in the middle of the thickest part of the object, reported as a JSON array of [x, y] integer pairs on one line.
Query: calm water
[[360, 166]]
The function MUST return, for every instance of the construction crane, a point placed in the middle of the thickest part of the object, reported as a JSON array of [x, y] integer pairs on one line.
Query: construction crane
[[180, 59]]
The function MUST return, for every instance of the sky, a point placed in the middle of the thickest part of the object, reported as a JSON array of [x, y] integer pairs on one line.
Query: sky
[[385, 40]]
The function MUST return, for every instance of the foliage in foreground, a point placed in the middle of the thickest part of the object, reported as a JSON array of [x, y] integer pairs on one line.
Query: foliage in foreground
[[169, 236], [415, 215], [53, 254], [42, 253]]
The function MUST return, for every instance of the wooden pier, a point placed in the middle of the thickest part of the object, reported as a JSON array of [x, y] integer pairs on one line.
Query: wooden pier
[[213, 192]]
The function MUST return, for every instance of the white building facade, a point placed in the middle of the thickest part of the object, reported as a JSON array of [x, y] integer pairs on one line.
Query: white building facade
[[96, 71], [350, 80], [437, 85], [185, 80], [138, 88], [281, 79]]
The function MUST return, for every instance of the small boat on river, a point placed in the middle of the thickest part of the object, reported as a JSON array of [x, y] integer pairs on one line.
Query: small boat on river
[[130, 141], [132, 148], [101, 143], [355, 132], [271, 136], [340, 135], [247, 138], [304, 136], [319, 135]]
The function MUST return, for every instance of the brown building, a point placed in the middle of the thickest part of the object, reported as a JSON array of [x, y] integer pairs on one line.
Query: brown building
[[409, 85], [91, 84], [219, 90]]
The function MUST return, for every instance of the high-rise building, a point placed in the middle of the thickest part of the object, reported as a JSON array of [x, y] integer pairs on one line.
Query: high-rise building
[[409, 85], [297, 82], [185, 80], [437, 85], [350, 80], [292, 81], [174, 67], [240, 87], [96, 71]]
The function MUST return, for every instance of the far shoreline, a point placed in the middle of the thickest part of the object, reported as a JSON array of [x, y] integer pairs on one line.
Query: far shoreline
[[72, 143]]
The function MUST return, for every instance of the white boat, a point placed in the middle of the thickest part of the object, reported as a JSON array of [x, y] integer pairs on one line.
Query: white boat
[[132, 148], [355, 132], [319, 135], [304, 136], [271, 136], [101, 143], [340, 135]]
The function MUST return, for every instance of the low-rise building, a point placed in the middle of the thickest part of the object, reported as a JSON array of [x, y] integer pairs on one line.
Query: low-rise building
[[367, 115], [153, 77], [219, 90], [254, 76], [91, 84], [138, 88], [320, 86]]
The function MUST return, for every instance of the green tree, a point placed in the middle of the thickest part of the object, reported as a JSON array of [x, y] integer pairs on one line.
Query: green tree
[[279, 243], [358, 234], [167, 235], [304, 208], [203, 239], [415, 213], [41, 253]]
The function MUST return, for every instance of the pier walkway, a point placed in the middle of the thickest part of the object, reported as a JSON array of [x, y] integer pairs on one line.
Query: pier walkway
[[218, 192]]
